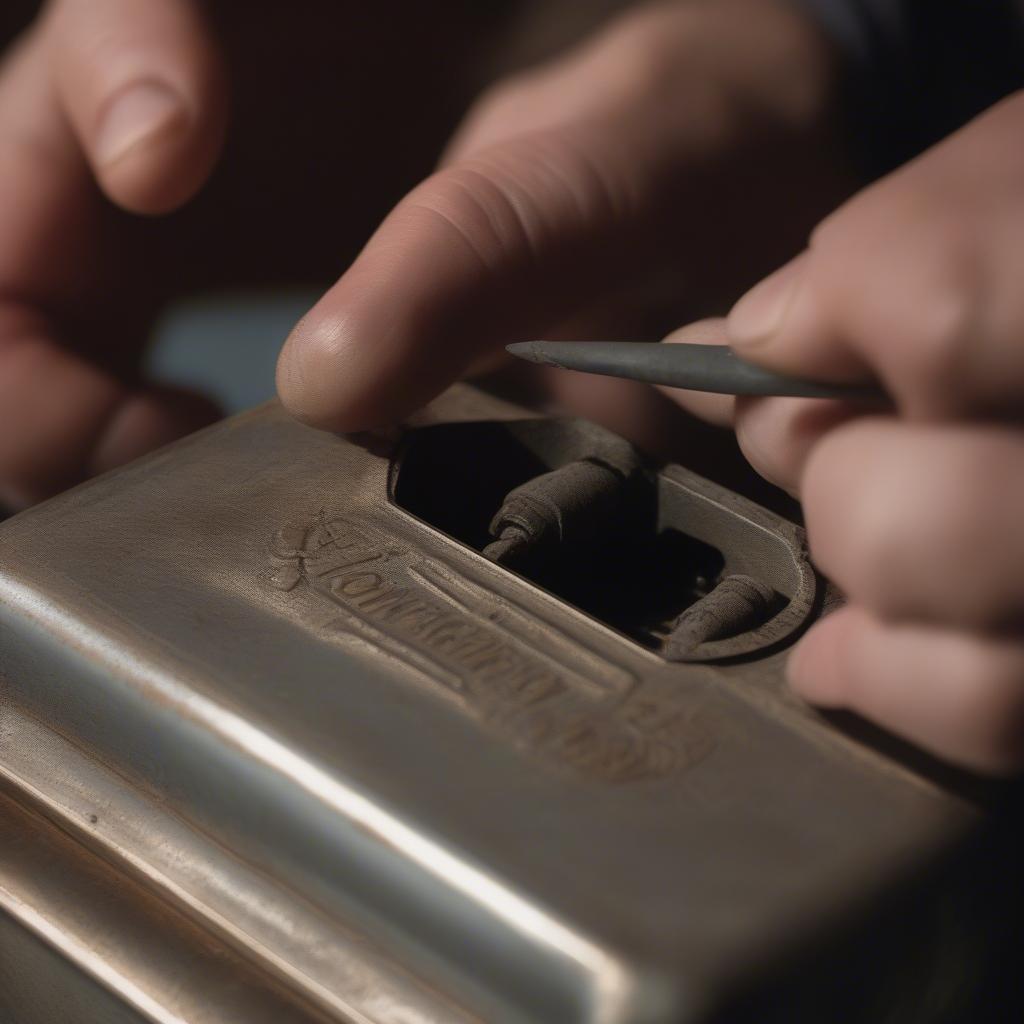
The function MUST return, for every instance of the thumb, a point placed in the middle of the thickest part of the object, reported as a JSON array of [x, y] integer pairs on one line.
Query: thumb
[[568, 187], [142, 86], [496, 246]]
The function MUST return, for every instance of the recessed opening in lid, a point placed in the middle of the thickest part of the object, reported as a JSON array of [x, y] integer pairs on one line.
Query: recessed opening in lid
[[617, 548]]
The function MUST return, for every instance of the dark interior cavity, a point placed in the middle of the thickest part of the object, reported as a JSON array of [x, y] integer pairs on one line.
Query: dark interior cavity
[[637, 575]]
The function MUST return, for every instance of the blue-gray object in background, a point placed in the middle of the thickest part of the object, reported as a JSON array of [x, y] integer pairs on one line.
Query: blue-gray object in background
[[226, 345]]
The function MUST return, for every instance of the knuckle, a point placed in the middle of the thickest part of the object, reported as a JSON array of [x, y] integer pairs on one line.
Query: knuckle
[[826, 235], [499, 100], [1015, 102], [479, 203], [979, 488], [526, 197], [931, 351], [902, 267], [876, 545], [913, 523], [644, 43], [993, 710], [1012, 106], [857, 531], [918, 520]]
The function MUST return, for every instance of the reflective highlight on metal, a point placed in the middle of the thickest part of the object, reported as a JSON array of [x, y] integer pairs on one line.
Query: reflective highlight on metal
[[279, 743]]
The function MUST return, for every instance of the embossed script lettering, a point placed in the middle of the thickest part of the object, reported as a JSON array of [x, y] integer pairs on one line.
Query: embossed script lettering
[[472, 648]]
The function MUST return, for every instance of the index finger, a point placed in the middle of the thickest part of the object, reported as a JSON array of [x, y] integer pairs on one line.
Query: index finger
[[491, 249]]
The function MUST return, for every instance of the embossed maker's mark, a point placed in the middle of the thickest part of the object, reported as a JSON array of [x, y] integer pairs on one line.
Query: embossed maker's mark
[[505, 680]]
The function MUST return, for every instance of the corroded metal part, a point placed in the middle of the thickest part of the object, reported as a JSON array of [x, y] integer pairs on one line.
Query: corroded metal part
[[390, 782], [579, 501], [737, 605]]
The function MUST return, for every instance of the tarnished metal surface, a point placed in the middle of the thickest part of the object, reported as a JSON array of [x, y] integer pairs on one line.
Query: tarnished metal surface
[[402, 783], [157, 964], [239, 906]]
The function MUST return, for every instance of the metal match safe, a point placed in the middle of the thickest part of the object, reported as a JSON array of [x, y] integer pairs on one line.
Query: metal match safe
[[485, 723]]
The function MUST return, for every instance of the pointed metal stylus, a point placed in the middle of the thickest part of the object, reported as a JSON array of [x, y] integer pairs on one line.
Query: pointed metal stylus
[[694, 367]]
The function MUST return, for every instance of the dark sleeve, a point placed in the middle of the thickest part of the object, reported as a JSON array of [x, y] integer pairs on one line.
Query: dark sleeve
[[919, 69]]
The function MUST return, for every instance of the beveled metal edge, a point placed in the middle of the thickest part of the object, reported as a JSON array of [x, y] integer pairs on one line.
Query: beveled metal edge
[[605, 987], [270, 925], [129, 942]]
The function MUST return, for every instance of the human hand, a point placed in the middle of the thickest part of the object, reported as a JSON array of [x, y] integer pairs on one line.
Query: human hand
[[917, 515], [110, 211], [659, 167], [127, 95]]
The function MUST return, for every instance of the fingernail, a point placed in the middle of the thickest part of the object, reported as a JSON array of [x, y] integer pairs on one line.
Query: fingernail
[[134, 115], [760, 313]]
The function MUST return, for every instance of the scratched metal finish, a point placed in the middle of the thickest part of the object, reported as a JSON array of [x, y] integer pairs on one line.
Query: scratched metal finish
[[493, 806], [143, 953]]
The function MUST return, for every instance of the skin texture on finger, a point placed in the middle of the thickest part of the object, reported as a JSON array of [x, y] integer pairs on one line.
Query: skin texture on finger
[[47, 203], [523, 230], [635, 61], [90, 278], [143, 89], [148, 419], [916, 281], [63, 419], [57, 409], [53, 407], [958, 696], [462, 264], [920, 522], [778, 435], [600, 74]]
